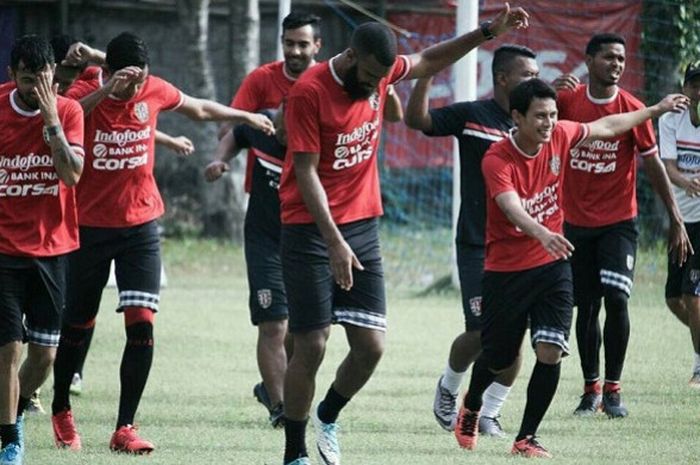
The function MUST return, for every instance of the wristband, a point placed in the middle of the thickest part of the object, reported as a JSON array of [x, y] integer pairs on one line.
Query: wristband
[[484, 27]]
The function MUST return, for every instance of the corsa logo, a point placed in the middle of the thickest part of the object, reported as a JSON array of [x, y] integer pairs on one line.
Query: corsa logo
[[116, 164], [26, 190]]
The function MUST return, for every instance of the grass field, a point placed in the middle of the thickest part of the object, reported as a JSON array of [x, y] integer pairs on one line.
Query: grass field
[[198, 407]]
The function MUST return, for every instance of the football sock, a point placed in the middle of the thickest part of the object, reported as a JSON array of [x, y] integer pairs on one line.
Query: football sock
[[294, 440], [540, 392], [451, 380], [22, 405], [136, 362], [588, 337], [331, 405], [493, 398], [611, 386], [81, 363], [616, 333], [8, 434], [481, 378], [592, 386], [71, 350]]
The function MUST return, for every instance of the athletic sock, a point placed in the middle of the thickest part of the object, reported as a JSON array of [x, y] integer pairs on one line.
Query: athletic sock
[[616, 333], [451, 380], [612, 386], [493, 398], [22, 405], [71, 350], [294, 440], [8, 434], [696, 367], [540, 392], [135, 367], [592, 386], [331, 405], [481, 378]]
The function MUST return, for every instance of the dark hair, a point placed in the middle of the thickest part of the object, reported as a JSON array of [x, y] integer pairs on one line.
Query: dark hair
[[60, 44], [33, 51], [126, 50], [597, 41], [297, 19], [504, 56], [372, 38], [523, 94]]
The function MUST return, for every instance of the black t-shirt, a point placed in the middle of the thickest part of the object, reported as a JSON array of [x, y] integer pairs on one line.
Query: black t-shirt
[[476, 125], [264, 204]]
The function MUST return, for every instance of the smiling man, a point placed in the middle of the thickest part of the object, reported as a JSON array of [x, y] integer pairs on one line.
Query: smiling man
[[527, 277], [601, 209]]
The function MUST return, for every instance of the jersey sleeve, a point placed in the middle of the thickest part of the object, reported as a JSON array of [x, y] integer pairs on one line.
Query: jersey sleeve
[[645, 140], [80, 89], [73, 124], [448, 120], [400, 69], [170, 96], [249, 93], [498, 175], [302, 120], [573, 134], [667, 137]]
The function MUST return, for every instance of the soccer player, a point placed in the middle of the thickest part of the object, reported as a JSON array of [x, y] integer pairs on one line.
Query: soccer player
[[264, 89], [41, 159], [118, 204], [600, 211], [476, 125], [679, 141], [527, 277], [330, 201]]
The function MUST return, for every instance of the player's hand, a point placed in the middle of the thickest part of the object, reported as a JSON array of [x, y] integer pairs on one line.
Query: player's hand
[[566, 82], [343, 260], [121, 79], [77, 54], [508, 19], [46, 92], [261, 122], [181, 145], [215, 170], [693, 187], [556, 245], [679, 246], [672, 102]]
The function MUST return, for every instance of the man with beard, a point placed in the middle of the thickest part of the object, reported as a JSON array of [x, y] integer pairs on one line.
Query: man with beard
[[476, 125], [600, 207], [330, 204], [264, 89], [118, 205], [42, 158]]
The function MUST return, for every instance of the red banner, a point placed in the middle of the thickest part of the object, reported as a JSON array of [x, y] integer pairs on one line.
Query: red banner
[[558, 33]]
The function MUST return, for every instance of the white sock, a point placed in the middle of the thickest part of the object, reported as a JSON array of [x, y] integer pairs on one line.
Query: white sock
[[494, 397], [451, 380], [696, 368]]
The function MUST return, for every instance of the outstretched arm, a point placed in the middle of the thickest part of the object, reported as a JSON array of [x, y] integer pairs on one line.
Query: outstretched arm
[[555, 244], [207, 110], [417, 114], [435, 58], [178, 144]]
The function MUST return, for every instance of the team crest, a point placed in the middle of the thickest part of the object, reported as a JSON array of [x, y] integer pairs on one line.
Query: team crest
[[141, 111], [555, 164], [374, 101], [265, 298], [694, 276], [475, 306], [630, 262]]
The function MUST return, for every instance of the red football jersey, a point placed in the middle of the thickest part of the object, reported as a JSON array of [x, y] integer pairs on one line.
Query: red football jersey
[[263, 89], [538, 181], [6, 87], [601, 180], [90, 73], [38, 216], [321, 118], [118, 188]]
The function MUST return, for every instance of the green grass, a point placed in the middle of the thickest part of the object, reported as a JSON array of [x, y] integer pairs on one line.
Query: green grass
[[198, 407]]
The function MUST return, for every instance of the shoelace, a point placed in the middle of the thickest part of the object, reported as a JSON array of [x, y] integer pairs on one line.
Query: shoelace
[[468, 424], [533, 442], [447, 400]]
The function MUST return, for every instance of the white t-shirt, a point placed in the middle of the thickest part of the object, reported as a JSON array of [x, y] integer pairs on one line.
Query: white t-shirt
[[679, 140]]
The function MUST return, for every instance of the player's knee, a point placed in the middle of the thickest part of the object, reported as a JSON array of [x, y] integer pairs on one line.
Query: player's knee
[[676, 305], [309, 348], [615, 299], [139, 326], [369, 354], [549, 354], [41, 357], [10, 354], [273, 330]]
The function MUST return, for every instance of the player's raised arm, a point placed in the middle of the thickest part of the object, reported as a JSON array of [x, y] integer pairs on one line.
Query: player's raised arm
[[417, 114], [437, 57], [555, 244], [393, 110], [614, 125], [207, 110]]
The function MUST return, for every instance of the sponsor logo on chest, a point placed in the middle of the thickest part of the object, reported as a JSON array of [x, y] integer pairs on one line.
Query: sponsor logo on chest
[[121, 150], [356, 146], [597, 157], [27, 176]]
